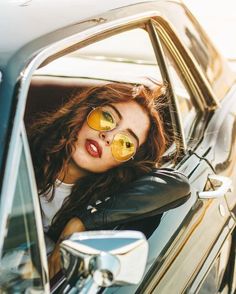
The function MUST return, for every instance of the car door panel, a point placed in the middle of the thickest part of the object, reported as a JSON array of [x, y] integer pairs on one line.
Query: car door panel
[[219, 144], [206, 226], [211, 278], [195, 240]]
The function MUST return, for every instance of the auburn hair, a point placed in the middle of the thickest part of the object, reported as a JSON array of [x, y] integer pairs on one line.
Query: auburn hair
[[53, 136]]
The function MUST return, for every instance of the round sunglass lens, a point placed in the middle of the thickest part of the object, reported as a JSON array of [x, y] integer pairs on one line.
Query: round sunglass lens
[[122, 147], [101, 120]]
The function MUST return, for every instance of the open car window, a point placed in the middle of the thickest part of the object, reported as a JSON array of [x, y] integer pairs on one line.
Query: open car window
[[125, 57]]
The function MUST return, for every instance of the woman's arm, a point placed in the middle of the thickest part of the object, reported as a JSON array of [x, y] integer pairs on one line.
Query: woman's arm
[[74, 225], [153, 194]]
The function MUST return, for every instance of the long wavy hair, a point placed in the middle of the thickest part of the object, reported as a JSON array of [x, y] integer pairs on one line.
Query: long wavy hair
[[53, 137]]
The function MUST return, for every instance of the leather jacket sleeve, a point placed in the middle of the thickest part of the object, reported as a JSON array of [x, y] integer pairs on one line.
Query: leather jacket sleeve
[[150, 195]]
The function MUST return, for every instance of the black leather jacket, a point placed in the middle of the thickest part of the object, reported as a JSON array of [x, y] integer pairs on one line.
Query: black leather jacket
[[148, 196], [137, 205]]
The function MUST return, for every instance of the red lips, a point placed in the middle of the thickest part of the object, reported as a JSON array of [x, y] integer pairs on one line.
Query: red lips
[[93, 148]]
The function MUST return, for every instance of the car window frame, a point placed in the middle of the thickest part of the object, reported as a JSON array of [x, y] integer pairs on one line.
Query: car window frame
[[198, 81], [67, 40], [177, 126], [202, 103]]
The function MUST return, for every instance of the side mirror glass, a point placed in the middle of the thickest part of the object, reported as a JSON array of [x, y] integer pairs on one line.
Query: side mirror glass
[[104, 258]]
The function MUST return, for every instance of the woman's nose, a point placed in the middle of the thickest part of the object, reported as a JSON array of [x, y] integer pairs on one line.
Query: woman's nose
[[106, 137]]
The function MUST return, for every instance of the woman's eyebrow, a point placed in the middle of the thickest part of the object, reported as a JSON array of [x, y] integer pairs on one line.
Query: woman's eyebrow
[[120, 117], [116, 110], [133, 134]]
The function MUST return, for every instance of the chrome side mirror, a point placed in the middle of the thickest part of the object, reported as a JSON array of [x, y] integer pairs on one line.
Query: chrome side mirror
[[103, 258]]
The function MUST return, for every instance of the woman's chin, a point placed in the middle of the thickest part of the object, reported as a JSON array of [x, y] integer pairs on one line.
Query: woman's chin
[[88, 163]]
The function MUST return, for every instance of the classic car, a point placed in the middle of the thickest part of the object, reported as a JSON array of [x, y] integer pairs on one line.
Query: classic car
[[50, 50]]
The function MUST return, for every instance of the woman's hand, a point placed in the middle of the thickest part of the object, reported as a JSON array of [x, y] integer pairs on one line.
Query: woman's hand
[[54, 262]]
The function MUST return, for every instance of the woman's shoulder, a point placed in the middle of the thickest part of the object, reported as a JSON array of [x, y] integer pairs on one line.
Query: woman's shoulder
[[164, 180]]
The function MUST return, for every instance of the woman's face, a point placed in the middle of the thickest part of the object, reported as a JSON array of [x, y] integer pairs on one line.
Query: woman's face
[[93, 148]]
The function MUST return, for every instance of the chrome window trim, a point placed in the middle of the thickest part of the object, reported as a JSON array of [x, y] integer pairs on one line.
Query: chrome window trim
[[89, 35], [199, 103], [174, 108], [191, 71], [182, 65]]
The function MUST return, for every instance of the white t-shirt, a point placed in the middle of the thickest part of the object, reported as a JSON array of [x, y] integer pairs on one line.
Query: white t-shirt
[[50, 208]]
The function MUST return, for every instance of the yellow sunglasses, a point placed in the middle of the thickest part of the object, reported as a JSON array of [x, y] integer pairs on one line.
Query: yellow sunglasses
[[122, 146]]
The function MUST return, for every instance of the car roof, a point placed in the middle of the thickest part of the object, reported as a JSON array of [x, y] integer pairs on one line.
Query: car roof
[[23, 21]]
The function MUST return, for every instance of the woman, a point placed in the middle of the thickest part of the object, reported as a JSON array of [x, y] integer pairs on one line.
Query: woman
[[97, 144]]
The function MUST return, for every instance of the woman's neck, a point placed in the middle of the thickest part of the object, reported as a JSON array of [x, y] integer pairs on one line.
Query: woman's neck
[[71, 174]]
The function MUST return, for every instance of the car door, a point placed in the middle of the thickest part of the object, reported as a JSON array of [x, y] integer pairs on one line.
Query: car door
[[209, 222], [23, 264], [188, 238], [218, 149]]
